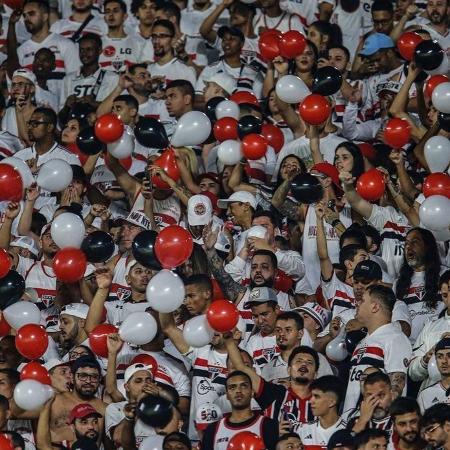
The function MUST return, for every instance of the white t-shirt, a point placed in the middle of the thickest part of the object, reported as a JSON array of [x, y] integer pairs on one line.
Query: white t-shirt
[[283, 23], [173, 70], [68, 27], [9, 144], [436, 393], [118, 52]]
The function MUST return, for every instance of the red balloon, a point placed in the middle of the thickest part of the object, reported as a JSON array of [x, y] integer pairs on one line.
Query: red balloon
[[433, 82], [222, 315], [370, 185], [69, 265], [244, 97], [437, 184], [5, 328], [283, 282], [246, 440], [31, 341], [11, 184], [5, 441], [254, 146], [407, 43], [315, 109], [226, 128], [97, 338], [14, 4], [217, 290], [269, 44], [274, 136], [125, 163], [397, 132], [168, 162], [35, 371], [73, 148], [108, 128], [5, 263], [292, 44], [367, 150], [148, 360], [173, 246]]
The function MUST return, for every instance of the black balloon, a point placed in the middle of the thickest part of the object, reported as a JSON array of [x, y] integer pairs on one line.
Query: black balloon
[[327, 81], [428, 55], [444, 121], [88, 143], [155, 411], [421, 76], [80, 111], [306, 188], [143, 248], [12, 287], [249, 125], [150, 132], [98, 246], [353, 338], [210, 107]]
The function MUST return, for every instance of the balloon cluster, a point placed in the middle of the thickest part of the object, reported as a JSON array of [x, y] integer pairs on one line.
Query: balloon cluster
[[272, 43]]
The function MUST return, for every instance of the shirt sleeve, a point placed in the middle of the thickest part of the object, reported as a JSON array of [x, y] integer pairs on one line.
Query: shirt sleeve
[[291, 263], [416, 370], [352, 130], [398, 355], [269, 393], [236, 268], [270, 433]]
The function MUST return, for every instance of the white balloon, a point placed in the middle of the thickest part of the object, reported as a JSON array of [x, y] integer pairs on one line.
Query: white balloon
[[433, 371], [291, 89], [442, 69], [68, 230], [55, 175], [152, 443], [22, 313], [229, 152], [441, 97], [165, 291], [257, 231], [336, 349], [227, 108], [193, 128], [30, 394], [197, 332], [437, 153], [138, 328], [123, 147], [434, 212], [22, 167], [441, 235]]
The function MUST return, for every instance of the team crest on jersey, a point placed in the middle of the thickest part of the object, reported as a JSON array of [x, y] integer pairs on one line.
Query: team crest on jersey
[[109, 51], [48, 300], [117, 64], [359, 354], [204, 387]]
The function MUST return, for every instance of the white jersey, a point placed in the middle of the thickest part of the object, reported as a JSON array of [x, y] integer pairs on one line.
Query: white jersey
[[118, 310], [443, 40], [68, 27], [120, 289], [166, 212], [282, 23], [23, 265], [209, 373], [314, 436], [43, 280], [9, 144], [436, 393], [173, 70], [155, 109], [119, 52], [262, 350], [309, 244], [66, 53], [258, 170], [338, 295], [387, 348]]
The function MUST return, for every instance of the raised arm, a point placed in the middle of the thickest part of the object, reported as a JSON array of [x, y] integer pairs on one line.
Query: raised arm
[[103, 277], [127, 182], [235, 180], [326, 266], [12, 63], [31, 195], [123, 83], [12, 211], [206, 28], [173, 332], [360, 205], [114, 344]]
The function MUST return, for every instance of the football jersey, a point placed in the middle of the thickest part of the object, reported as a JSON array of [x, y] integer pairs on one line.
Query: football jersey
[[173, 70], [436, 393], [68, 27], [43, 280], [119, 52], [338, 295], [120, 289], [387, 348], [262, 350], [166, 212], [118, 310], [314, 436], [9, 144], [282, 23]]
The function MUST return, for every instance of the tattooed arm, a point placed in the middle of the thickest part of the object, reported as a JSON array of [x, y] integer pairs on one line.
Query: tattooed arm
[[229, 287], [398, 380]]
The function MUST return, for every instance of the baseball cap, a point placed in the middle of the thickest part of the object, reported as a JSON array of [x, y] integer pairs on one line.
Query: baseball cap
[[27, 243], [83, 410], [234, 31], [210, 176], [443, 344], [391, 86], [341, 438], [225, 81], [376, 42], [214, 200], [207, 413], [102, 174], [131, 370], [46, 228], [321, 315], [137, 218], [368, 270], [329, 170], [200, 210], [52, 363], [239, 196], [260, 295], [25, 73], [76, 310]]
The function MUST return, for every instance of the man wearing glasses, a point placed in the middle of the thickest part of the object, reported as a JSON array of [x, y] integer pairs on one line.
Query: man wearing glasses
[[436, 426]]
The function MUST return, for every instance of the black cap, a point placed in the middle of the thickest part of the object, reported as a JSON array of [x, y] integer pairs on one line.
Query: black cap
[[78, 173], [234, 31], [443, 344], [368, 270], [341, 438]]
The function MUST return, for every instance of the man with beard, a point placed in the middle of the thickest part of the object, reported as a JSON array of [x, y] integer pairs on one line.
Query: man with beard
[[239, 392], [72, 322], [436, 426], [437, 13], [438, 392], [373, 412], [405, 414], [290, 406]]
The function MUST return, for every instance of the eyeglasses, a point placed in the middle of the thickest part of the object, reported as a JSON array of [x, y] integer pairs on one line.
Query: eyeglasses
[[429, 430], [76, 355], [20, 85], [88, 376], [36, 123]]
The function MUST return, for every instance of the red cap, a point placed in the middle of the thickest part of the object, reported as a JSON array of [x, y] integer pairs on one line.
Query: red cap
[[83, 410], [213, 199], [244, 97], [210, 176], [367, 150], [329, 170]]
